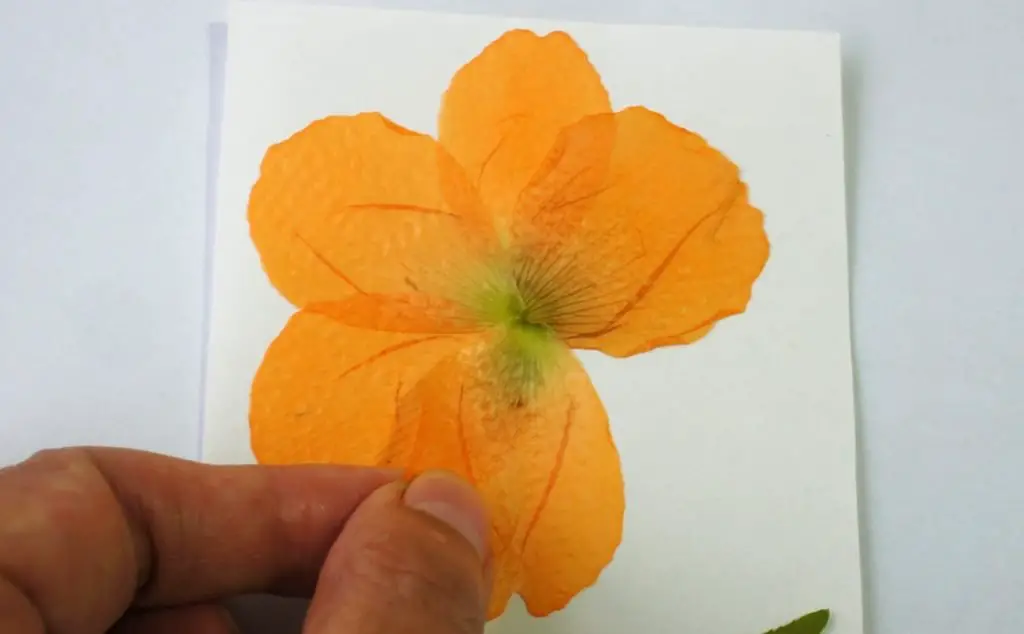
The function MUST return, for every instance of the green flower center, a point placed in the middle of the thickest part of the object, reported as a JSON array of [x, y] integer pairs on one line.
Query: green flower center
[[526, 349]]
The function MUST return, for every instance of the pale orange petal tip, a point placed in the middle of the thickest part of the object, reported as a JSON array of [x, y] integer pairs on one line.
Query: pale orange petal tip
[[504, 109]]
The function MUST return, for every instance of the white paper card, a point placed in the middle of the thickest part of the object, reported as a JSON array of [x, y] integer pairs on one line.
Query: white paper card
[[738, 452]]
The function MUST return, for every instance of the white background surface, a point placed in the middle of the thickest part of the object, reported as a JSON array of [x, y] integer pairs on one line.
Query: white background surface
[[104, 108], [738, 452]]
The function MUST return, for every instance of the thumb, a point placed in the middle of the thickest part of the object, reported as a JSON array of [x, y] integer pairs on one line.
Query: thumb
[[410, 560]]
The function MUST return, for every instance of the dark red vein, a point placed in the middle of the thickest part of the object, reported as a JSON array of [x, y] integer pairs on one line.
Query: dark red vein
[[555, 471], [328, 264], [460, 426], [402, 207], [385, 352], [655, 275], [487, 159]]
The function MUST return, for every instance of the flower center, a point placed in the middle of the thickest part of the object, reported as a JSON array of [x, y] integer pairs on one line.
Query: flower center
[[525, 349], [524, 355]]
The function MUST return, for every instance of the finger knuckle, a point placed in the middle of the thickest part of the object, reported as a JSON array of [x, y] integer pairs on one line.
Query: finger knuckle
[[67, 472], [63, 502], [63, 491], [60, 459]]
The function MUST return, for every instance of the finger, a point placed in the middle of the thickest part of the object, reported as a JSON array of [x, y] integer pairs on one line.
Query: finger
[[205, 618], [84, 533], [407, 562]]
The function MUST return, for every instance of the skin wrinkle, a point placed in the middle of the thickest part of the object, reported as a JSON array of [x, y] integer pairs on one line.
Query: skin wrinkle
[[131, 513], [294, 515], [23, 591], [29, 616], [382, 564], [401, 566], [139, 522]]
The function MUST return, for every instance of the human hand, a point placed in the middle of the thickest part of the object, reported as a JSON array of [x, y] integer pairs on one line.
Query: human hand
[[112, 540]]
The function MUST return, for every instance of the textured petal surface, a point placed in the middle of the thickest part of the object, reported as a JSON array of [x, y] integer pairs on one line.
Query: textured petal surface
[[505, 108], [541, 454], [568, 182], [652, 254], [358, 204], [327, 393], [409, 313]]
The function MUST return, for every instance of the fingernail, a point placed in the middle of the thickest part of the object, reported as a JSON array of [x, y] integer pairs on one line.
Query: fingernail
[[451, 500]]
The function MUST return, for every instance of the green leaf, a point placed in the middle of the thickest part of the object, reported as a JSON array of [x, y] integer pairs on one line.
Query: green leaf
[[813, 623]]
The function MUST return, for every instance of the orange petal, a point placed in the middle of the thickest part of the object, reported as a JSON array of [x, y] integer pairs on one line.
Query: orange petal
[[410, 313], [357, 203], [327, 393], [568, 182], [654, 255], [505, 108], [541, 455]]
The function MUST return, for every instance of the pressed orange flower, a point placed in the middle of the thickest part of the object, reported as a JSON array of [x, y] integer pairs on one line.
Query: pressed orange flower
[[441, 285]]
